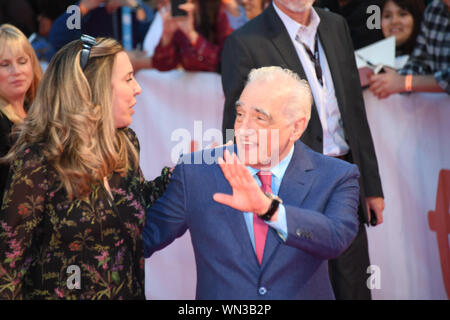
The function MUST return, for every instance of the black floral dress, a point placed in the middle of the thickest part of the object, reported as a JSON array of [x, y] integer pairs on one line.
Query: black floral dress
[[53, 248]]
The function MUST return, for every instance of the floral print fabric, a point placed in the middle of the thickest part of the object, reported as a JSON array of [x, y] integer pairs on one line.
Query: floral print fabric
[[43, 234]]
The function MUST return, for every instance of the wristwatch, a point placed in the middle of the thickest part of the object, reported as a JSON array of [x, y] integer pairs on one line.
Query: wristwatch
[[273, 206]]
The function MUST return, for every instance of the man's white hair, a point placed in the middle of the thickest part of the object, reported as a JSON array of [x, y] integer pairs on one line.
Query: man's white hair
[[287, 84]]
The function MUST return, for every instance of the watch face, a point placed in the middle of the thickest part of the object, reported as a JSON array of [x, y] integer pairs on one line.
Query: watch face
[[273, 197], [268, 195]]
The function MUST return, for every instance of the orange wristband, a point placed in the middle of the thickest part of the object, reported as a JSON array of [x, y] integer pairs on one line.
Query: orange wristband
[[83, 9], [408, 83]]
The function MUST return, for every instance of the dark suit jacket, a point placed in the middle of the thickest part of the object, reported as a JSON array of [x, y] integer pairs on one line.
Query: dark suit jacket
[[5, 144], [264, 41], [320, 195], [355, 13]]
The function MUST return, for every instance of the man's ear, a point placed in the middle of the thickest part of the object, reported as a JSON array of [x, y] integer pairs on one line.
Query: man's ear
[[299, 127]]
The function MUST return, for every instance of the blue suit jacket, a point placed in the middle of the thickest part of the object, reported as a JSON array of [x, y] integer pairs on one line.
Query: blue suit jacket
[[320, 195]]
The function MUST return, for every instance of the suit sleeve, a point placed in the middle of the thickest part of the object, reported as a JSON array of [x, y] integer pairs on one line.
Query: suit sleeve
[[368, 165], [152, 189], [236, 65], [165, 220], [327, 234]]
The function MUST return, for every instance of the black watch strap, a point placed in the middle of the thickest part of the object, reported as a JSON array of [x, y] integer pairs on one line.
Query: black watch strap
[[272, 209]]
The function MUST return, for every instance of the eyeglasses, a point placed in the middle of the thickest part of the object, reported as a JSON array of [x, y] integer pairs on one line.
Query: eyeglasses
[[88, 43]]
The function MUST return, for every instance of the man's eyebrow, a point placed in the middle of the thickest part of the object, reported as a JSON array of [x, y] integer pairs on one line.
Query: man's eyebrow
[[259, 110]]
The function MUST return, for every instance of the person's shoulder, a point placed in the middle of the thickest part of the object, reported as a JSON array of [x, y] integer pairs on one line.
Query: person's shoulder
[[33, 151], [31, 157], [435, 7], [435, 4], [131, 135], [254, 27], [5, 123], [329, 17], [205, 157], [330, 165]]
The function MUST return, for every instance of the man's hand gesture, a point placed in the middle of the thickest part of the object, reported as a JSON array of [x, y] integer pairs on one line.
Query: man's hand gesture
[[247, 195]]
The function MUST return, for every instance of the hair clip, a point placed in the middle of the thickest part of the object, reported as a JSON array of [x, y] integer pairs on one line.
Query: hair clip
[[88, 43]]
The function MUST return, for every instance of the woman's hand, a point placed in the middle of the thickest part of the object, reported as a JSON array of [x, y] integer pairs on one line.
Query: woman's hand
[[169, 24], [187, 23], [90, 4], [383, 85]]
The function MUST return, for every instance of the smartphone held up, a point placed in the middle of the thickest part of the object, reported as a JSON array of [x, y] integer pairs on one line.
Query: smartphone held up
[[176, 11]]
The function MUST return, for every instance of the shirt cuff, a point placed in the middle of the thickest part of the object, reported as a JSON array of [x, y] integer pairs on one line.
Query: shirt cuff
[[280, 225]]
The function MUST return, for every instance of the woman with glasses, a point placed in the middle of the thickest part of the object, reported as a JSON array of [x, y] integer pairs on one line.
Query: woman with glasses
[[74, 206], [20, 74]]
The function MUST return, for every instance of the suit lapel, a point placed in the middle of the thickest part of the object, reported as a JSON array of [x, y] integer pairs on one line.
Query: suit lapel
[[234, 218], [279, 36], [294, 188], [330, 47], [282, 41], [298, 177]]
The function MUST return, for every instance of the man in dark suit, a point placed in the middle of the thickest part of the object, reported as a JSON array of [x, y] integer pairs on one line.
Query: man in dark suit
[[315, 44], [355, 13], [265, 227]]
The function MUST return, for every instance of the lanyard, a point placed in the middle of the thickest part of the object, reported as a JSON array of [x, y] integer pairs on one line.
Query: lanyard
[[315, 58]]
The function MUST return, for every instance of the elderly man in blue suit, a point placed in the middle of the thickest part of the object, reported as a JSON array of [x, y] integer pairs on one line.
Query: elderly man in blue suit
[[265, 214]]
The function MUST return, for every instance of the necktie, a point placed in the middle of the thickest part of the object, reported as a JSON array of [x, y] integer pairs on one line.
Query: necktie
[[260, 228]]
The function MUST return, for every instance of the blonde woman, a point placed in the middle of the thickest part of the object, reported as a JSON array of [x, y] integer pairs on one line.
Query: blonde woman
[[20, 73], [74, 207]]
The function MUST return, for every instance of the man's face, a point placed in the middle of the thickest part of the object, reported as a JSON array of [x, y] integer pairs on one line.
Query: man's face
[[295, 6], [264, 135]]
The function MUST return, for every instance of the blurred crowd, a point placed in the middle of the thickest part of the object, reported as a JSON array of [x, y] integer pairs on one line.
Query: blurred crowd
[[192, 35], [194, 40]]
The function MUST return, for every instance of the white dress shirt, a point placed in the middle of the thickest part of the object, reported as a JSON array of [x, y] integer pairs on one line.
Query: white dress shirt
[[334, 143]]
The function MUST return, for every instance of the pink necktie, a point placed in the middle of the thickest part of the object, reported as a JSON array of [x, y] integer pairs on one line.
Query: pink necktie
[[259, 226]]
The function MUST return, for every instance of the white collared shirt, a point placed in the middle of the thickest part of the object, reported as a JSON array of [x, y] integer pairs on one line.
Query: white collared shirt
[[334, 143]]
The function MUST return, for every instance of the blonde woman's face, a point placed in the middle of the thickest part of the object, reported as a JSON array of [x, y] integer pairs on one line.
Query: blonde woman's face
[[16, 75], [397, 22], [124, 90]]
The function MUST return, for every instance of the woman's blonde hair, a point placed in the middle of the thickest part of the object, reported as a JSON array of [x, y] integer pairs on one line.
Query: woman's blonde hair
[[72, 119], [13, 39]]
